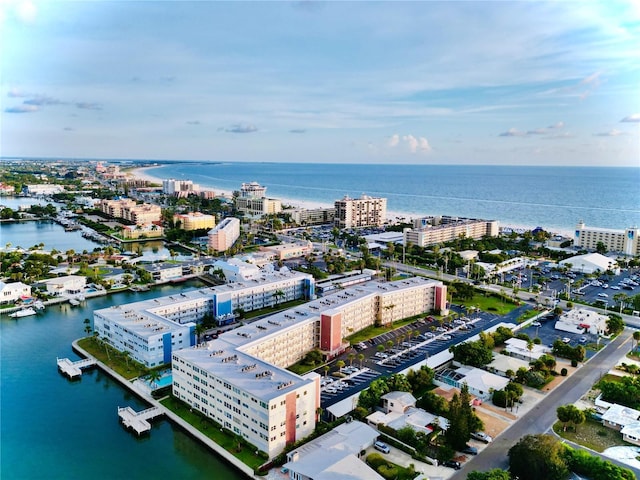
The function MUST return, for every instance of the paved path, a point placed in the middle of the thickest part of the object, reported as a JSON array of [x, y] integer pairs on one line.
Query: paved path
[[541, 418]]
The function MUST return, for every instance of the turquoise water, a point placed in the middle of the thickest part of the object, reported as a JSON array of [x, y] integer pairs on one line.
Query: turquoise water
[[552, 197], [164, 381], [52, 428]]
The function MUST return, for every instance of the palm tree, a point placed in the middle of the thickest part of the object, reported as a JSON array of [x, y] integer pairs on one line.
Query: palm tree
[[530, 348], [389, 344], [154, 376], [200, 329], [326, 369], [361, 358], [278, 294], [87, 329], [340, 364], [104, 342], [351, 356], [126, 355]]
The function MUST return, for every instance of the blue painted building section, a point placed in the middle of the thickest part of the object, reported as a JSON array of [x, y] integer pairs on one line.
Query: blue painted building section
[[166, 347], [309, 288], [192, 335]]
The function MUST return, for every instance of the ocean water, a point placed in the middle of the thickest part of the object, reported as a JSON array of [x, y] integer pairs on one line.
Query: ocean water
[[555, 198], [53, 428]]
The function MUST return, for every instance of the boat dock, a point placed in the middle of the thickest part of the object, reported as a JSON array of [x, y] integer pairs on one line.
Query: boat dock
[[74, 369], [138, 421]]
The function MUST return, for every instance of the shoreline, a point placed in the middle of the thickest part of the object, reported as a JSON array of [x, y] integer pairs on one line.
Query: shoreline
[[142, 173]]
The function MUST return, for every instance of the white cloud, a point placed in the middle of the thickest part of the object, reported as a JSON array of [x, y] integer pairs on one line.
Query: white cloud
[[513, 132], [610, 133], [393, 140], [419, 144], [633, 118]]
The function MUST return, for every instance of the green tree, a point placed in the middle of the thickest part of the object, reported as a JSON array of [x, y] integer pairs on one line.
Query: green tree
[[462, 420], [495, 474], [615, 324], [536, 457], [636, 337], [475, 353], [340, 364]]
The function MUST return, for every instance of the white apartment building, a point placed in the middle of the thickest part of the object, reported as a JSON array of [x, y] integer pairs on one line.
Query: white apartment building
[[434, 230], [10, 292], [360, 212], [172, 186], [247, 364], [195, 220], [224, 235], [149, 337], [151, 230], [236, 270], [622, 241], [290, 250], [67, 285], [268, 406]]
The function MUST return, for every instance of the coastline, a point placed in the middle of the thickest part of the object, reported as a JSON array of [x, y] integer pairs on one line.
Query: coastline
[[142, 173]]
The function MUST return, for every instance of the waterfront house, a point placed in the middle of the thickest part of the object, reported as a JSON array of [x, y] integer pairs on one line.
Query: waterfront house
[[66, 285], [10, 292]]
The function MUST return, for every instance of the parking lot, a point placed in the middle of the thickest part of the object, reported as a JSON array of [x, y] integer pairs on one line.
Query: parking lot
[[406, 350]]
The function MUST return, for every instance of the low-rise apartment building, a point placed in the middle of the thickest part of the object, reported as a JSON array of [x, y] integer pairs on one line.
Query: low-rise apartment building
[[134, 232], [314, 216], [224, 235], [290, 250], [441, 229]]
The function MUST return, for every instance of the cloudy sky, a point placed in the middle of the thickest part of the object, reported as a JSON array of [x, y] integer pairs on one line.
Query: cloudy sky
[[530, 83]]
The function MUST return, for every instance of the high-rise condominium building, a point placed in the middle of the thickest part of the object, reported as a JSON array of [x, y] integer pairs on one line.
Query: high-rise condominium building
[[224, 235], [360, 212]]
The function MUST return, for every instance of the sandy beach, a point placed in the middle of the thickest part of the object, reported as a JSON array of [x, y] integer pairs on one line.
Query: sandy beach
[[142, 173]]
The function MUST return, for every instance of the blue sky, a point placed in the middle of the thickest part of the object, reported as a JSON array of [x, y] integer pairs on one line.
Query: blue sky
[[525, 83]]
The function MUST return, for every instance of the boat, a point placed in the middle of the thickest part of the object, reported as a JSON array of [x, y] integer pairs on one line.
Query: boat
[[25, 312], [39, 305], [74, 302]]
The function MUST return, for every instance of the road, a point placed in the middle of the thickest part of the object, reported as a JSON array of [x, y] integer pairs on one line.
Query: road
[[542, 417]]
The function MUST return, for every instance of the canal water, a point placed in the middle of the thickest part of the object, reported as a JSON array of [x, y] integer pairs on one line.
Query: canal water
[[52, 428]]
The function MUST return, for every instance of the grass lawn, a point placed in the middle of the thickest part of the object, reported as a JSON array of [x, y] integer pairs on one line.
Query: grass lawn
[[227, 440], [527, 315], [127, 368], [591, 434], [275, 308], [490, 303]]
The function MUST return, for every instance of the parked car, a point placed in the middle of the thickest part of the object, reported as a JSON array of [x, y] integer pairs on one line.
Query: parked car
[[381, 447], [469, 450], [453, 464], [536, 324], [483, 437]]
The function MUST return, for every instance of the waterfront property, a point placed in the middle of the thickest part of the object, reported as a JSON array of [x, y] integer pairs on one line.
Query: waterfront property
[[150, 330], [10, 292], [240, 375], [66, 285], [194, 221], [441, 229], [129, 210]]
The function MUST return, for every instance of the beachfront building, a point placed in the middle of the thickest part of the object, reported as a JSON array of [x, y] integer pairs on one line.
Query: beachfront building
[[360, 212], [312, 216], [252, 201], [224, 235], [286, 251], [139, 214], [622, 241], [434, 230], [134, 232], [10, 292], [247, 364], [194, 221], [179, 187], [67, 285]]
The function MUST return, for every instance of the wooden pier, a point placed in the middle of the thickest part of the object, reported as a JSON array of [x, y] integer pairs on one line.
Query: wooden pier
[[74, 369], [138, 421]]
